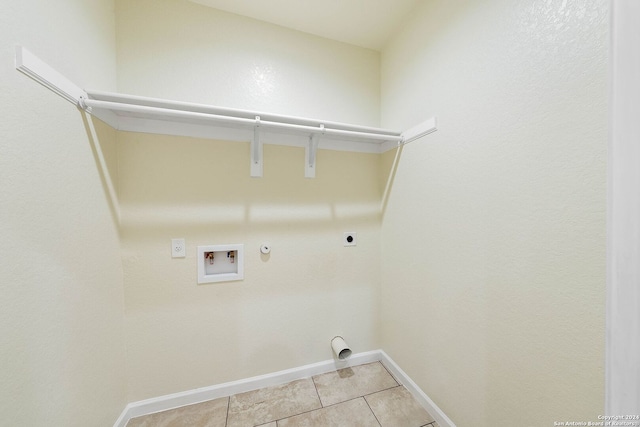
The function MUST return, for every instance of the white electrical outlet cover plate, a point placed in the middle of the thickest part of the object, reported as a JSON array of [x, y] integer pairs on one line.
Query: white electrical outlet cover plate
[[350, 239], [178, 249]]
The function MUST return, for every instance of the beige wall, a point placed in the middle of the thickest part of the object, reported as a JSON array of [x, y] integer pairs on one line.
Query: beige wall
[[180, 50], [181, 335], [491, 241], [61, 310], [493, 236]]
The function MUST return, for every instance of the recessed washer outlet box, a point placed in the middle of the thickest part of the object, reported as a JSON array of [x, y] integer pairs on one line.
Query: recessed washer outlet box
[[220, 263]]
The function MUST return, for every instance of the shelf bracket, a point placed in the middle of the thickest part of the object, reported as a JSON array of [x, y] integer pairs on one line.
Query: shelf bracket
[[256, 152], [310, 155]]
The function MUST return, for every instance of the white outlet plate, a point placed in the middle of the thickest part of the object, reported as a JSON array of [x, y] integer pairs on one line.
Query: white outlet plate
[[350, 238], [178, 249]]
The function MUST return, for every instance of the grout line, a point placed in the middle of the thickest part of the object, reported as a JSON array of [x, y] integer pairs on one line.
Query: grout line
[[348, 400], [334, 404], [226, 420], [295, 415], [323, 406], [300, 413], [292, 415], [374, 414], [318, 409], [316, 387], [384, 389], [389, 372]]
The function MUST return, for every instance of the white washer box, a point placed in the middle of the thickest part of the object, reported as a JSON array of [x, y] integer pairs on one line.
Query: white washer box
[[220, 263]]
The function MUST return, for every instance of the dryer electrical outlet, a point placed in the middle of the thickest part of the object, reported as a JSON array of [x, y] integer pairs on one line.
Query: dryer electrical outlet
[[350, 238]]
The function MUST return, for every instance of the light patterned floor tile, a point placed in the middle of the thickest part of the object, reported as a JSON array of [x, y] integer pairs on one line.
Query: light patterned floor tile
[[207, 414], [296, 404], [345, 384], [272, 403], [396, 407], [352, 413]]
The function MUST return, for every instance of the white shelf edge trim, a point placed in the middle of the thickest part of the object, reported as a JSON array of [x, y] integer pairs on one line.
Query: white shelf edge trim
[[416, 132], [30, 65], [226, 111], [168, 114], [176, 400], [150, 115], [420, 130]]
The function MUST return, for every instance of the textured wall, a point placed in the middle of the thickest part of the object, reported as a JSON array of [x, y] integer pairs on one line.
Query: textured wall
[[493, 234], [180, 50], [61, 310], [492, 239], [182, 335]]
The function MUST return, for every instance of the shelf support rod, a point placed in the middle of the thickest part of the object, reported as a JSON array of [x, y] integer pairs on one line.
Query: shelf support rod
[[256, 152]]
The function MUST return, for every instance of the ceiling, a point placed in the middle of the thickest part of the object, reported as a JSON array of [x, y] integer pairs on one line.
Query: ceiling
[[366, 23]]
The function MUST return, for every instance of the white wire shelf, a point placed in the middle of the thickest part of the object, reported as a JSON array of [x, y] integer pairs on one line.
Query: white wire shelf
[[151, 115]]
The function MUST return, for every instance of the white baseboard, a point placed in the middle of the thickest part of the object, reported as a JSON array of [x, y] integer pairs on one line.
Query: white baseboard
[[416, 391], [190, 397]]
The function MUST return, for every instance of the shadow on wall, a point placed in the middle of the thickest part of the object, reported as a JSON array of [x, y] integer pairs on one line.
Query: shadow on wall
[[388, 167], [102, 139], [167, 182], [288, 305]]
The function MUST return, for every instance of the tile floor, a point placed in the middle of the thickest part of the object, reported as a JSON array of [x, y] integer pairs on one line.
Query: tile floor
[[361, 396]]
